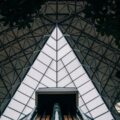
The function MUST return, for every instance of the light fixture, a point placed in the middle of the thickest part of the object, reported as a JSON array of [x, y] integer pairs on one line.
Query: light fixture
[[117, 107]]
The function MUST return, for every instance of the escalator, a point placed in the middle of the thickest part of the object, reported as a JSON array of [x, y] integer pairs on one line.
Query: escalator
[[56, 104], [56, 115]]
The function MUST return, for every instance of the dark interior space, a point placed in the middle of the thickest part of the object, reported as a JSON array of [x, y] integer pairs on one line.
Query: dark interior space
[[67, 103]]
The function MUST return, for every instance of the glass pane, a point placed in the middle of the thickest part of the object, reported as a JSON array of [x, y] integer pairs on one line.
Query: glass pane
[[34, 74], [98, 111], [41, 86], [11, 113], [60, 65], [59, 33], [70, 85], [21, 97], [68, 58], [77, 73], [81, 102], [16, 105], [88, 114], [33, 96], [4, 118], [48, 82], [62, 73], [94, 103], [30, 82], [84, 109], [31, 103], [81, 80], [27, 110], [44, 58], [90, 95], [51, 42], [106, 116], [85, 88], [62, 52], [72, 66], [21, 116], [51, 52], [25, 89], [64, 82], [53, 65], [61, 42], [39, 66], [51, 74]]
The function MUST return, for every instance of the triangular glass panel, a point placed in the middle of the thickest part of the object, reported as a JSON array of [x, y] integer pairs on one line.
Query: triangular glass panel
[[57, 66]]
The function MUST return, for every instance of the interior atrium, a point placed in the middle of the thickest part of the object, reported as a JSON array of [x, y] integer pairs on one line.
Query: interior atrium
[[61, 51]]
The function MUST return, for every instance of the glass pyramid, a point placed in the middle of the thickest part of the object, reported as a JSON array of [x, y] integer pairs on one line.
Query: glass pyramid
[[57, 66]]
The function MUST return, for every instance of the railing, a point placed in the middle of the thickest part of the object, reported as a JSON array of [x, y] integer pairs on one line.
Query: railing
[[56, 115]]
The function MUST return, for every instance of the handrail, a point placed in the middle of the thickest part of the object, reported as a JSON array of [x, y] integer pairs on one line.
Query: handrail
[[56, 115]]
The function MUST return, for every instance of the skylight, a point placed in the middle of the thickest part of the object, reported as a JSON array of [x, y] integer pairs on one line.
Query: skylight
[[57, 66]]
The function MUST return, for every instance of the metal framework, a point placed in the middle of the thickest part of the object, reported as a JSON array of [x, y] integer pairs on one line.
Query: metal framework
[[98, 54]]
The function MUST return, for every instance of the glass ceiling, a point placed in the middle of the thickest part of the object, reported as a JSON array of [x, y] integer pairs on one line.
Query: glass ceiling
[[56, 66]]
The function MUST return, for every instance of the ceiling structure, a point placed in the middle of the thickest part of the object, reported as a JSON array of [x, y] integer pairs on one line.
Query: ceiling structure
[[57, 66], [98, 54]]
